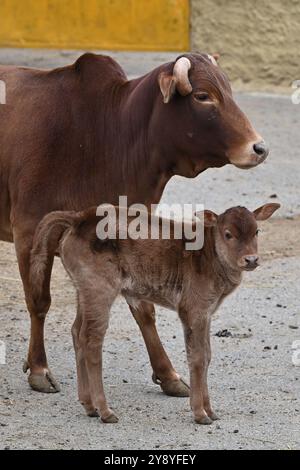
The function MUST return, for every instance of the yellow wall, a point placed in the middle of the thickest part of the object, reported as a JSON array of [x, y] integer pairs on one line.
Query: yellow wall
[[102, 24]]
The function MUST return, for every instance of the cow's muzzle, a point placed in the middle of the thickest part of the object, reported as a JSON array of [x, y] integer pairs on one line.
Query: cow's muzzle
[[261, 149], [251, 155]]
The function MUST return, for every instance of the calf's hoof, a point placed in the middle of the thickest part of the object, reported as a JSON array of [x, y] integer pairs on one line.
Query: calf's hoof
[[213, 416], [203, 420], [173, 388], [43, 381], [92, 412], [110, 418]]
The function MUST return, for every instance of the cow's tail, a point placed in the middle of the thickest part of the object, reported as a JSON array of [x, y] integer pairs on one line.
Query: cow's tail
[[45, 244]]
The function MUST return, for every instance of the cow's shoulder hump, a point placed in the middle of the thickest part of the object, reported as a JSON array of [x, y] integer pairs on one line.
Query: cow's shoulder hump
[[97, 66]]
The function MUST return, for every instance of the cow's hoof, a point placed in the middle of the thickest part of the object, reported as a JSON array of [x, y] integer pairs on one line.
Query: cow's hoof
[[25, 366], [43, 382], [110, 419], [203, 420], [173, 388]]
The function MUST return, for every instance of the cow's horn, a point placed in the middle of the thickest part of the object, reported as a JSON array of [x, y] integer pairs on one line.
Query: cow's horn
[[180, 72]]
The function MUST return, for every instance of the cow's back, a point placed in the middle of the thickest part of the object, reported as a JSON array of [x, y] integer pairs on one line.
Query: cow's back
[[48, 136]]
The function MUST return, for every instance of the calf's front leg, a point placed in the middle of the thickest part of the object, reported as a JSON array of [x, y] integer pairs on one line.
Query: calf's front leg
[[197, 339], [164, 373]]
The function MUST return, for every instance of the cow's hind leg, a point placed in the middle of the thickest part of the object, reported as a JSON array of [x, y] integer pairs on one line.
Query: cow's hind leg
[[40, 377], [164, 373]]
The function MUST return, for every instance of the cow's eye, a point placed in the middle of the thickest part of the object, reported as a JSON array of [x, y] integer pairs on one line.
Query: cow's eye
[[257, 232], [228, 235], [201, 97]]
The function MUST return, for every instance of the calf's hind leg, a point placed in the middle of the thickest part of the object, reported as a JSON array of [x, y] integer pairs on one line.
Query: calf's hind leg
[[82, 376], [95, 316], [164, 373]]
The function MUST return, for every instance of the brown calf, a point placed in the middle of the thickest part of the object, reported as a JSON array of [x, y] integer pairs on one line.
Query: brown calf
[[161, 271]]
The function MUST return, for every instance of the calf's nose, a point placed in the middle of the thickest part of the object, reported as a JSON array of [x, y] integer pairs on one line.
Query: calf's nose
[[251, 260], [261, 149]]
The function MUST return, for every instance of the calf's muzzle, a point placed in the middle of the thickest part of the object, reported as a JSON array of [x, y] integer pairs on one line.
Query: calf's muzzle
[[250, 262]]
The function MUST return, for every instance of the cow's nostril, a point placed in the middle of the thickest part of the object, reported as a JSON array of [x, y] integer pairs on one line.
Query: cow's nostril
[[261, 149]]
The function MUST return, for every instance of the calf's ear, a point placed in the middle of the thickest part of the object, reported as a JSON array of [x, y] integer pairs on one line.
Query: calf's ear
[[167, 85], [264, 212], [209, 218]]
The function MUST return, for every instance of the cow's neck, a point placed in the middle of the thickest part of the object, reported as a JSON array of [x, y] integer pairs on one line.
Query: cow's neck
[[145, 165], [144, 97], [138, 164]]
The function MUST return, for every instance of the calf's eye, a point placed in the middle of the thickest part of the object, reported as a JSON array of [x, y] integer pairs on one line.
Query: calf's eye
[[228, 235], [257, 232]]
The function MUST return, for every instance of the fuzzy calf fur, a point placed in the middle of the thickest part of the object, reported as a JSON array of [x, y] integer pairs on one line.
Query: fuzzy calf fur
[[145, 271]]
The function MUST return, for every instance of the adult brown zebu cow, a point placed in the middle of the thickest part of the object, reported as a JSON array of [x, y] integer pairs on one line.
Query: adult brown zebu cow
[[82, 135]]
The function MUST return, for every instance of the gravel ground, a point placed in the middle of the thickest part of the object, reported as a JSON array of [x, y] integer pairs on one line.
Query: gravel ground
[[254, 384]]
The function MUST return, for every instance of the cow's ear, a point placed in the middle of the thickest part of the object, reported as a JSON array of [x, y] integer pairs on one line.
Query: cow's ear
[[264, 212], [209, 218], [167, 85]]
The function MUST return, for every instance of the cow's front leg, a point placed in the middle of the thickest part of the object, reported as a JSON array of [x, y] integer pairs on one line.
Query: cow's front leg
[[164, 373], [197, 339], [40, 377]]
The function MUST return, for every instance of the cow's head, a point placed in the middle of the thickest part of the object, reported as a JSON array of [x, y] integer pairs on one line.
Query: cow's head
[[200, 117]]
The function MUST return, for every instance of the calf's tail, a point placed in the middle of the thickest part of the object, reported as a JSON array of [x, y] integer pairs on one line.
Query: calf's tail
[[45, 244]]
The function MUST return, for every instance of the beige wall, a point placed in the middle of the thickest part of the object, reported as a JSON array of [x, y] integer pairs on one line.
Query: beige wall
[[259, 40]]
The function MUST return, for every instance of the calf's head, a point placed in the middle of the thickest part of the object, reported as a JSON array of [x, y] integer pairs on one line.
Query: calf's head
[[236, 235], [202, 120]]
